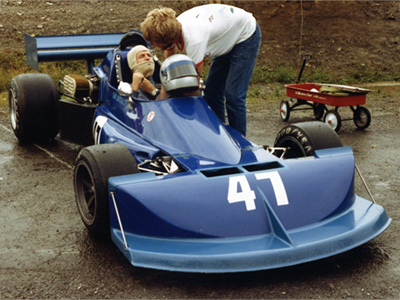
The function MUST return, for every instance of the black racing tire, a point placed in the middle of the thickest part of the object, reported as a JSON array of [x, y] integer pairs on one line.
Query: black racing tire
[[362, 117], [303, 139], [319, 110], [93, 167], [284, 110], [333, 119], [33, 105]]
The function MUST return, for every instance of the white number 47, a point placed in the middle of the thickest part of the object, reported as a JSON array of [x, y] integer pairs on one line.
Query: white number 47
[[239, 189]]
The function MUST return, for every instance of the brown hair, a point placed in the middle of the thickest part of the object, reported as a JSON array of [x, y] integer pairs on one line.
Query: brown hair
[[161, 26]]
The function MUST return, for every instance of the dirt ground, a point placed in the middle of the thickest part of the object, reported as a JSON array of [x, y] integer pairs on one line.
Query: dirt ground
[[342, 36], [45, 251]]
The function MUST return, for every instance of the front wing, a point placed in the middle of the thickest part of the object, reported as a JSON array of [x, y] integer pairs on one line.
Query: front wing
[[360, 223], [285, 213]]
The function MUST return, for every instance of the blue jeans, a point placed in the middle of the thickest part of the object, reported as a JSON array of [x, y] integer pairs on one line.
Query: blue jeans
[[228, 81]]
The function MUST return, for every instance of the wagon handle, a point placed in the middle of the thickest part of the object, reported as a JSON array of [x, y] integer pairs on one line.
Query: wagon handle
[[305, 58]]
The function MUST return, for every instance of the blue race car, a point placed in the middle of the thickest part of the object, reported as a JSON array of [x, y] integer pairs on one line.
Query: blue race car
[[178, 190]]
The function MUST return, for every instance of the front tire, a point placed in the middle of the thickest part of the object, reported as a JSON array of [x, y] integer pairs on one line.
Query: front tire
[[33, 107], [303, 139], [93, 167]]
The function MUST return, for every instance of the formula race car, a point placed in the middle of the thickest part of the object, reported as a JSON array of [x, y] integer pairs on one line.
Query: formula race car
[[177, 189]]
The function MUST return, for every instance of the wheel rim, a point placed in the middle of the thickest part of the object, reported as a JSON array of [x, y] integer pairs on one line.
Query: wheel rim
[[294, 148], [85, 193], [331, 120], [284, 110], [13, 110]]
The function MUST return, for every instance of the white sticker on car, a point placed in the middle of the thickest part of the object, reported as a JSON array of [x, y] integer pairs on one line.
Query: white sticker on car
[[239, 189], [150, 116], [98, 125]]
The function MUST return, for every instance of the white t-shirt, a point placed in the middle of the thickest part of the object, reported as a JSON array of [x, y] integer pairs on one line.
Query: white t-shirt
[[214, 29]]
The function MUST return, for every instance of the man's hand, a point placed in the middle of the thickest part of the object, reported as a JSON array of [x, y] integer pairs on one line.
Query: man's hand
[[137, 80], [141, 82]]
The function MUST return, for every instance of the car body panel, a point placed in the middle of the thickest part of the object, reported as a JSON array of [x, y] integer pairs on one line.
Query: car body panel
[[204, 209], [303, 209], [353, 227], [233, 206], [185, 123]]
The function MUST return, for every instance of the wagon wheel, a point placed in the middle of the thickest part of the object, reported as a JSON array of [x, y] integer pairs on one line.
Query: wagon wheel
[[285, 110], [332, 118], [319, 110], [362, 117]]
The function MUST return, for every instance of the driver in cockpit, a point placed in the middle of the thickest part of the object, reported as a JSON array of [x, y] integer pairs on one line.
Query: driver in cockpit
[[141, 62]]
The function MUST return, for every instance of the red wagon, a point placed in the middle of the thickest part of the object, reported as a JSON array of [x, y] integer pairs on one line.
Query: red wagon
[[318, 96]]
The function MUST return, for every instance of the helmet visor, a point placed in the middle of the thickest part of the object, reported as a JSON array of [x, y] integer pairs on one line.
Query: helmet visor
[[180, 69]]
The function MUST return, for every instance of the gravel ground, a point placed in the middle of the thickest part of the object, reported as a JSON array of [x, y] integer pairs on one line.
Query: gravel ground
[[45, 251]]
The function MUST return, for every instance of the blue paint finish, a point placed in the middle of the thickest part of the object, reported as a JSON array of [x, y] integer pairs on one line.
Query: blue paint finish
[[185, 126], [198, 205], [355, 226], [188, 221], [70, 47], [185, 222]]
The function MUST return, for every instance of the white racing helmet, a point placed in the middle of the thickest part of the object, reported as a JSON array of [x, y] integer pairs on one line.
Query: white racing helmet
[[178, 74]]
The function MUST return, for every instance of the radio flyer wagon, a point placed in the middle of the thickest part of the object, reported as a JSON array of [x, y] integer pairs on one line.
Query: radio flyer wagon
[[318, 96]]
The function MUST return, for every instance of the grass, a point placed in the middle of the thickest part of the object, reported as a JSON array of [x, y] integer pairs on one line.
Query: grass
[[267, 81], [14, 63]]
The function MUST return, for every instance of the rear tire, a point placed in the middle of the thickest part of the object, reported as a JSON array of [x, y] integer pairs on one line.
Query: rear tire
[[93, 167], [33, 109], [303, 139]]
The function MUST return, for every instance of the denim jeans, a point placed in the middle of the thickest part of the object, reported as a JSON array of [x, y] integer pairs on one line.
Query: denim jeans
[[228, 81]]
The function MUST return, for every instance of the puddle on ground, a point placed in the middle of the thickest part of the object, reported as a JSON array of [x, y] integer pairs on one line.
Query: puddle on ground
[[6, 152], [5, 147]]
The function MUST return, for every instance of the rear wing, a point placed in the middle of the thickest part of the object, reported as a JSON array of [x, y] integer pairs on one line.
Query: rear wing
[[72, 47]]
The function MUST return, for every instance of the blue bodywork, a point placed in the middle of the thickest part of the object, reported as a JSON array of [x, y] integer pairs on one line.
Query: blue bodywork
[[233, 206], [236, 207]]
